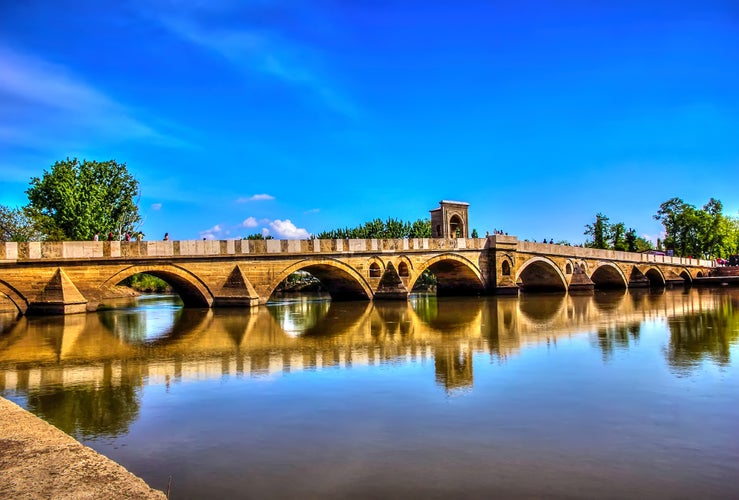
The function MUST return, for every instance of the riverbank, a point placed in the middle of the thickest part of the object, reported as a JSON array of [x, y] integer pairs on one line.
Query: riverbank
[[37, 460]]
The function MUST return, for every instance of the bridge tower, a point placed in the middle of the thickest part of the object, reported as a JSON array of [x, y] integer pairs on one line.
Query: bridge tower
[[450, 220]]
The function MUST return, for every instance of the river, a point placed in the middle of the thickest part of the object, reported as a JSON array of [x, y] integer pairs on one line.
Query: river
[[608, 395]]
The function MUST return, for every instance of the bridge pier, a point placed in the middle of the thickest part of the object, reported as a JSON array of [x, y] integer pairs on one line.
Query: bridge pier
[[60, 296]]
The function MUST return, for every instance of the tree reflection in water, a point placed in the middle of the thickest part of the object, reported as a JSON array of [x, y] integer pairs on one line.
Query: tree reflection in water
[[705, 336], [90, 412], [85, 373]]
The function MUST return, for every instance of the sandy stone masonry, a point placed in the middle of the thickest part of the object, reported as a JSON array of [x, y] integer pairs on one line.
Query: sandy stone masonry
[[68, 277], [37, 460]]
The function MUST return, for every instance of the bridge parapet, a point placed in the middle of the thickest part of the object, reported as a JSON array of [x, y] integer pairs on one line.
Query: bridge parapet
[[62, 250], [611, 255]]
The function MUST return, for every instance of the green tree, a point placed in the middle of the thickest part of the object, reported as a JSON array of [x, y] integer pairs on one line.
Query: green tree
[[617, 235], [474, 234], [16, 225], [75, 199], [258, 236], [704, 232], [377, 228], [599, 232], [635, 243]]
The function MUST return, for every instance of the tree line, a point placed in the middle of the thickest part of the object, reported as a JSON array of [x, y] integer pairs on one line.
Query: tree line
[[377, 228], [688, 231]]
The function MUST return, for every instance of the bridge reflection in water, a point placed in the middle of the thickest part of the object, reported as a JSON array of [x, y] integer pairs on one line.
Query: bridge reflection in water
[[96, 363]]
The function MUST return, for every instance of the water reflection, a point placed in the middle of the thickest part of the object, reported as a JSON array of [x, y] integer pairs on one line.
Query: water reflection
[[84, 373], [703, 336]]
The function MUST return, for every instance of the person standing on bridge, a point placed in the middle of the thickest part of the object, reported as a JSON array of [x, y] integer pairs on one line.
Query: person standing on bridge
[[166, 236]]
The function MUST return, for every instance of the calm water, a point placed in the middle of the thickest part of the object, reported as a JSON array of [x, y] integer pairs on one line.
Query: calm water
[[609, 395]]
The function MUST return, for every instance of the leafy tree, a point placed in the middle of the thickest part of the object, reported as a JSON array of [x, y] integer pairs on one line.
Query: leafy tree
[[16, 225], [377, 228], [704, 232], [635, 243], [617, 233], [258, 236], [75, 199], [474, 234], [599, 232]]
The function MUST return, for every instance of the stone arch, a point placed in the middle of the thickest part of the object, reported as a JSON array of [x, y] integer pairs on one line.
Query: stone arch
[[699, 275], [505, 268], [609, 275], [655, 276], [375, 271], [541, 273], [455, 275], [190, 288], [685, 274], [403, 269], [456, 227], [568, 267], [375, 267], [342, 281], [17, 298]]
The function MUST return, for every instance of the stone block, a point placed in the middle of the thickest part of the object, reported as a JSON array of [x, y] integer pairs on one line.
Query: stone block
[[53, 250], [357, 245]]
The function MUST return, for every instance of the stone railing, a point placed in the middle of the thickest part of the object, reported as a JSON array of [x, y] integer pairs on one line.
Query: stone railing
[[56, 250], [596, 253]]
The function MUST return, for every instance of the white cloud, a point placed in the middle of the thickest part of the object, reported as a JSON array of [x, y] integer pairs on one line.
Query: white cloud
[[287, 230], [312, 211], [156, 206], [213, 233], [256, 197], [250, 222]]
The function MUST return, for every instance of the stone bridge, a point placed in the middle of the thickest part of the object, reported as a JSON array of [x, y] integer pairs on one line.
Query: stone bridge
[[67, 277]]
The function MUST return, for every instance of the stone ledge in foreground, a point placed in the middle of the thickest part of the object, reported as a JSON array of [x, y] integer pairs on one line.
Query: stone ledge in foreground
[[37, 460]]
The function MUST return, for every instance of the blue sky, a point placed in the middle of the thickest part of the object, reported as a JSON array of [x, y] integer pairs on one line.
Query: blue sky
[[295, 117]]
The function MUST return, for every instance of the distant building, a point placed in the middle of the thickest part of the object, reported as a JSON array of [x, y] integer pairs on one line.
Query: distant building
[[450, 220]]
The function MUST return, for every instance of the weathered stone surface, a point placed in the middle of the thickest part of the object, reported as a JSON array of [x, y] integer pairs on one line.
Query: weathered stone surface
[[202, 272], [38, 460], [60, 296]]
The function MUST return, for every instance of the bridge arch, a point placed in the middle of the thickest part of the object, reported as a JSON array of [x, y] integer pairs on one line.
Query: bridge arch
[[375, 267], [17, 298], [455, 275], [192, 291], [655, 276], [685, 274], [609, 275], [342, 281], [541, 273]]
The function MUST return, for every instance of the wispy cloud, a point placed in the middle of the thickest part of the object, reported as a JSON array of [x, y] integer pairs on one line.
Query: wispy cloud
[[312, 211], [214, 233], [156, 206], [256, 197], [39, 96], [258, 48]]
